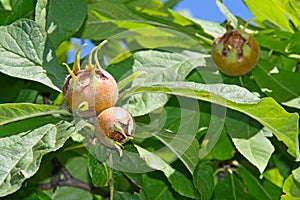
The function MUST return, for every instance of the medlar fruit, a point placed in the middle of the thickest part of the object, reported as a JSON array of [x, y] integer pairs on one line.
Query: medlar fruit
[[90, 91], [235, 52], [114, 126]]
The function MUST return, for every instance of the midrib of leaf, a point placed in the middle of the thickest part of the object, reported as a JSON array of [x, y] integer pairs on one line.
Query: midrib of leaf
[[259, 185], [233, 186], [39, 114], [278, 83], [162, 192]]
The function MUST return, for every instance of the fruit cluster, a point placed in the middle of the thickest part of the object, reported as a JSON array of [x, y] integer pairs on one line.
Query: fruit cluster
[[92, 92]]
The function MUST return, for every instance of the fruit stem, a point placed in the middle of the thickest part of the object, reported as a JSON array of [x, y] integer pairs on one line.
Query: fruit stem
[[228, 29], [111, 177], [74, 78], [76, 66]]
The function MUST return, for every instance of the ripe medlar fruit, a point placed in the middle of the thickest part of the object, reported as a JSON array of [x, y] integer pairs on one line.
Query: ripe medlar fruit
[[114, 126], [90, 91], [235, 52]]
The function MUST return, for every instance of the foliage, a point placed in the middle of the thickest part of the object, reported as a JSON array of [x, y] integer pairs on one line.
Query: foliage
[[199, 134]]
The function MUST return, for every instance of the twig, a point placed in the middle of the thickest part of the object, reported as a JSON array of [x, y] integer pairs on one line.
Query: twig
[[111, 178], [68, 180]]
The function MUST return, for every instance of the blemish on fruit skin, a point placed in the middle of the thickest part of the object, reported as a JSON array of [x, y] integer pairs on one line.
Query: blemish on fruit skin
[[51, 28], [266, 90]]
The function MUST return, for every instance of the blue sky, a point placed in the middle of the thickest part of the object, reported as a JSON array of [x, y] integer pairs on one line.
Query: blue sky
[[208, 10]]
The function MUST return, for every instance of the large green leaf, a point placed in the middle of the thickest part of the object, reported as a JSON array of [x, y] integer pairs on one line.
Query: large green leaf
[[257, 149], [160, 67], [269, 14], [249, 139], [21, 154], [61, 19], [19, 10], [203, 178], [132, 15], [291, 186], [293, 44], [277, 83], [266, 111], [13, 112], [156, 188], [99, 172], [179, 182], [292, 9], [256, 186], [25, 54], [181, 145], [175, 133], [231, 188]]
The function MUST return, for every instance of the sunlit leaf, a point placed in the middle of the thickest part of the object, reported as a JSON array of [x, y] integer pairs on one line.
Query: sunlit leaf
[[266, 111], [291, 187], [13, 112], [60, 19], [269, 14], [25, 54], [21, 154]]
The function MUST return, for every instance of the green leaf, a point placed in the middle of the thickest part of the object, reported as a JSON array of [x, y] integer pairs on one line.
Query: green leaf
[[21, 154], [229, 16], [20, 10], [231, 188], [203, 178], [160, 66], [223, 149], [257, 149], [266, 111], [274, 39], [99, 172], [274, 176], [256, 187], [13, 112], [181, 145], [291, 187], [277, 83], [293, 44], [179, 182], [294, 103], [249, 139], [292, 9], [265, 15], [125, 196], [156, 188], [25, 54], [61, 19]]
